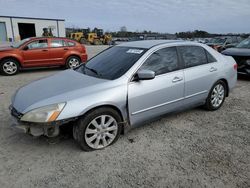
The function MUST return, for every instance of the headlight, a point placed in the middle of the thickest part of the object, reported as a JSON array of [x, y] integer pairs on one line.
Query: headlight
[[44, 114]]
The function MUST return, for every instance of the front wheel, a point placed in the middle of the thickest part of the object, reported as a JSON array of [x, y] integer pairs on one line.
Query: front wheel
[[98, 129], [9, 67], [216, 96]]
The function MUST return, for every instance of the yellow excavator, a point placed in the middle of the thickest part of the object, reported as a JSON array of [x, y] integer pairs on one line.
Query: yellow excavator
[[95, 37]]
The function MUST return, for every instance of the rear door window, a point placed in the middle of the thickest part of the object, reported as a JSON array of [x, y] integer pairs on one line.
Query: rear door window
[[57, 43], [70, 43], [193, 55]]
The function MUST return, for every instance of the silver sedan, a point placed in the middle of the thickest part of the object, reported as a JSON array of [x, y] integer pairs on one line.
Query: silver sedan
[[124, 86]]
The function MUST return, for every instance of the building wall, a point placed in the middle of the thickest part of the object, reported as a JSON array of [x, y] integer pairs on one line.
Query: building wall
[[59, 28], [7, 25]]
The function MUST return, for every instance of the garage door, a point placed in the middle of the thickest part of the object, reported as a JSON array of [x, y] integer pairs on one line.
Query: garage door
[[3, 34]]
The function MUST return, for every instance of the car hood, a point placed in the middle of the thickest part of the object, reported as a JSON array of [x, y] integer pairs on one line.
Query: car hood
[[7, 48], [61, 87], [237, 52]]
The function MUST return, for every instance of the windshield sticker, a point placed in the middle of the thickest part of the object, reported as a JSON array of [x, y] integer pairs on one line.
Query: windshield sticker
[[134, 51]]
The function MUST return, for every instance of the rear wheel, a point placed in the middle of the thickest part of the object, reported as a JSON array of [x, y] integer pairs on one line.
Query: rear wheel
[[216, 96], [98, 129], [72, 62], [9, 67]]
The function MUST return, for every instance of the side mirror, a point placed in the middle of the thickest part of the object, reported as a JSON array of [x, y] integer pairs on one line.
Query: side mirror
[[145, 75], [25, 48]]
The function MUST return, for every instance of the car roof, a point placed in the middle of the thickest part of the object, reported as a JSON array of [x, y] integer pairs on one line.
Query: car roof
[[148, 43], [44, 37]]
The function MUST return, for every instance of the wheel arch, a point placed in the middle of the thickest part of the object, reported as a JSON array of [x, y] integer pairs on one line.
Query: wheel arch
[[117, 109], [227, 87], [71, 55], [12, 57]]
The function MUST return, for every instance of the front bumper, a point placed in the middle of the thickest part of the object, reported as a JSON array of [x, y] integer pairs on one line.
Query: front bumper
[[36, 129]]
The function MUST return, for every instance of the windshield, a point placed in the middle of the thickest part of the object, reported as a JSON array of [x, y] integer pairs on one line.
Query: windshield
[[112, 63], [244, 44], [218, 40], [20, 43]]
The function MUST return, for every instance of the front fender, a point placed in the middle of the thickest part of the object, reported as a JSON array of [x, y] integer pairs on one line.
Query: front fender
[[115, 97]]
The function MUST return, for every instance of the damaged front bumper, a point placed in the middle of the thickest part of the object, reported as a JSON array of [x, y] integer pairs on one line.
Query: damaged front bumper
[[50, 129]]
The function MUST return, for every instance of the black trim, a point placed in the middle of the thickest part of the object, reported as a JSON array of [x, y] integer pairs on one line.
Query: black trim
[[19, 17]]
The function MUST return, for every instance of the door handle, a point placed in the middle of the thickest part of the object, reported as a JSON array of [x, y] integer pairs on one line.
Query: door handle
[[44, 50], [177, 79], [212, 69]]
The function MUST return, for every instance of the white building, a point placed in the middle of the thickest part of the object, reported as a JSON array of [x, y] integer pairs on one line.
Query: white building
[[17, 28]]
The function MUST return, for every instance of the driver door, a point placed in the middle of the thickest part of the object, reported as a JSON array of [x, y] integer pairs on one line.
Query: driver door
[[36, 53], [148, 99]]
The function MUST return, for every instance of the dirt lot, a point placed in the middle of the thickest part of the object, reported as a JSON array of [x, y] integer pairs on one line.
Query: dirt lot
[[195, 148]]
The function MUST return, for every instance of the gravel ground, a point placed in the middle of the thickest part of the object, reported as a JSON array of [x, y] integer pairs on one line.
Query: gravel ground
[[195, 148]]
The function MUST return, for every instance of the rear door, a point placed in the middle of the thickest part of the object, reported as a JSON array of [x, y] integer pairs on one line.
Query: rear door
[[200, 73], [58, 49], [36, 53], [148, 99]]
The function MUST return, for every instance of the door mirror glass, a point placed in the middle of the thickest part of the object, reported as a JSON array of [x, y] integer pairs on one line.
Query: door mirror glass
[[145, 75], [26, 48]]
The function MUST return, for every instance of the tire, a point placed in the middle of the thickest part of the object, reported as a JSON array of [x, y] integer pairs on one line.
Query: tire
[[83, 41], [216, 96], [95, 137], [72, 62], [9, 67]]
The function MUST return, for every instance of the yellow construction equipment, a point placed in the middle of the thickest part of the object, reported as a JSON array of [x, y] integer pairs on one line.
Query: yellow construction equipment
[[95, 38]]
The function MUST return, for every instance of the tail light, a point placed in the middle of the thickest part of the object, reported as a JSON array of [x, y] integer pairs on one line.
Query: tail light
[[235, 66], [84, 49]]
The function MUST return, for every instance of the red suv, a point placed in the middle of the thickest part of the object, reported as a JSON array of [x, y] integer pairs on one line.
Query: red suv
[[41, 52]]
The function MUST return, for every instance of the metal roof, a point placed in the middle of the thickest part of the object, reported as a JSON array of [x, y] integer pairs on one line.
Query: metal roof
[[18, 17], [147, 43]]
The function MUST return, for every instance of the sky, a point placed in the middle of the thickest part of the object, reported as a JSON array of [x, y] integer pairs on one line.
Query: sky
[[171, 16]]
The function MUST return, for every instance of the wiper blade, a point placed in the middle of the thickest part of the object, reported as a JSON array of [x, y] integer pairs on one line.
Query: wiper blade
[[92, 70]]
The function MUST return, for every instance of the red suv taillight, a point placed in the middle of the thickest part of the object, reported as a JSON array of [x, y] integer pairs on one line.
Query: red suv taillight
[[235, 66], [84, 49]]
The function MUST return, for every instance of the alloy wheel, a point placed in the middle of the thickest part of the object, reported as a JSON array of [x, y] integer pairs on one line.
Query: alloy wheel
[[218, 95], [9, 67], [73, 62], [101, 132]]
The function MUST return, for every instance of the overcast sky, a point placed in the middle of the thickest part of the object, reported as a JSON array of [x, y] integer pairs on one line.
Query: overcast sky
[[216, 16]]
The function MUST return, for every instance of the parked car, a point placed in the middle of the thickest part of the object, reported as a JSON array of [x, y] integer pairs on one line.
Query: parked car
[[41, 52], [241, 54], [222, 43], [123, 87]]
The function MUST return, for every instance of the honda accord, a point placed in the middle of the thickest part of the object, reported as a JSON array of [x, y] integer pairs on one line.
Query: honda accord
[[122, 87]]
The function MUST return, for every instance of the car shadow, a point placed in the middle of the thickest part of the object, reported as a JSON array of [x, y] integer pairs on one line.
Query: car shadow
[[47, 69], [38, 70]]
